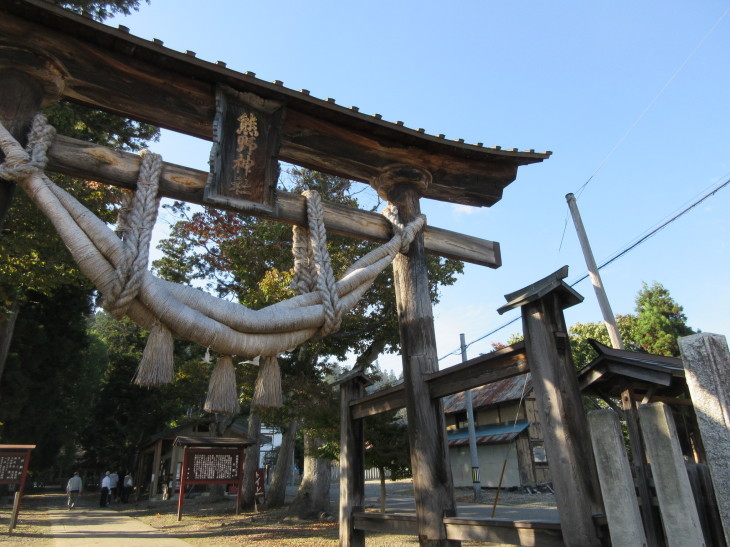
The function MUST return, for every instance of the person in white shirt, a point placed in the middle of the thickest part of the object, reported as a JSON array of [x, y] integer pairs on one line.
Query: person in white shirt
[[127, 487], [73, 489], [103, 500], [113, 490]]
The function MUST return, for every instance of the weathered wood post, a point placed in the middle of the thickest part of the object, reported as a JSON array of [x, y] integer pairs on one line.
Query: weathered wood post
[[617, 484], [432, 482], [28, 81], [352, 459], [567, 441], [707, 369], [680, 520]]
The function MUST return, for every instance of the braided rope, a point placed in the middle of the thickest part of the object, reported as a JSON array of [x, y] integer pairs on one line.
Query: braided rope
[[189, 313], [407, 232], [136, 222], [20, 163], [312, 266]]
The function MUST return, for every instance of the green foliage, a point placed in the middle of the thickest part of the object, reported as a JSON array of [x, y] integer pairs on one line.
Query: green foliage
[[100, 9], [51, 375], [387, 446], [582, 351], [125, 414], [660, 322]]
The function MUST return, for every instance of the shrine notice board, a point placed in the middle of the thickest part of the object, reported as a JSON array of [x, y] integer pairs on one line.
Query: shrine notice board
[[14, 460], [211, 465]]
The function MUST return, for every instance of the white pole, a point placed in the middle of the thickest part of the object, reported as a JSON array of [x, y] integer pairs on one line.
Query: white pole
[[472, 434], [608, 316]]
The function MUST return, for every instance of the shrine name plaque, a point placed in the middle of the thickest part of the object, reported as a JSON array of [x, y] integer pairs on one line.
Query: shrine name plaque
[[12, 465], [212, 466], [244, 158]]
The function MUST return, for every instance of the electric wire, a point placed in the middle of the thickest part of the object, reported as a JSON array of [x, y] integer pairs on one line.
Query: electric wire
[[626, 249]]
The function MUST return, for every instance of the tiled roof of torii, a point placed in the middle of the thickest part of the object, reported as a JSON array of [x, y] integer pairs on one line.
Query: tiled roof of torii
[[316, 133]]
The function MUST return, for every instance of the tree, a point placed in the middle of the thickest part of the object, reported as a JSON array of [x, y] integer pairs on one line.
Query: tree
[[387, 448], [53, 370], [100, 9], [250, 260], [583, 352], [660, 321]]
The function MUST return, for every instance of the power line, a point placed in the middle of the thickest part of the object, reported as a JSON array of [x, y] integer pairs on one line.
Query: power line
[[631, 246], [663, 225], [652, 102]]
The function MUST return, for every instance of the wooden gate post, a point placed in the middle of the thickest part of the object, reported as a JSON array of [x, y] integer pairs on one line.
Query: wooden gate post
[[432, 482], [707, 368], [352, 459], [28, 81], [563, 420]]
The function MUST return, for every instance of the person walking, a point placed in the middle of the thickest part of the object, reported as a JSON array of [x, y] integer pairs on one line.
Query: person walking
[[104, 499], [127, 487], [73, 489], [113, 491]]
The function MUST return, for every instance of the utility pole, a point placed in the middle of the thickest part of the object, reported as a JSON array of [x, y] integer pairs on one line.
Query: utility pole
[[472, 433], [608, 316]]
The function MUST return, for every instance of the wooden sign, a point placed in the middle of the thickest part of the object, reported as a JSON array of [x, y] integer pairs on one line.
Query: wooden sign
[[244, 159], [14, 460], [211, 460], [212, 466], [12, 465]]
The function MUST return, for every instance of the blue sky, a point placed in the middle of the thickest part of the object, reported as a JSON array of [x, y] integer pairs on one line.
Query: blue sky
[[631, 95]]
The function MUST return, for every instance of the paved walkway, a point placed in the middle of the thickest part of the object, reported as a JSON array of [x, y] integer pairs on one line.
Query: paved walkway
[[85, 526]]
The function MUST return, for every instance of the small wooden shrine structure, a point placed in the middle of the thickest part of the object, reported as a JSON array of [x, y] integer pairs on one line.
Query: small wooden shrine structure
[[47, 54]]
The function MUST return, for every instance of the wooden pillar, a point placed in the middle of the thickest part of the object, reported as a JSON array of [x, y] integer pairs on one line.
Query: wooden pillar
[[28, 81], [679, 513], [352, 460], [432, 482], [559, 404], [641, 467], [156, 468], [617, 484]]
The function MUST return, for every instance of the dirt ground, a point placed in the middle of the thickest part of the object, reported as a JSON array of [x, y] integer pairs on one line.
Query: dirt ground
[[210, 524]]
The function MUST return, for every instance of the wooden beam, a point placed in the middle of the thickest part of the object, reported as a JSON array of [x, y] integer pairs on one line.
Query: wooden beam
[[110, 69], [380, 523], [94, 162], [503, 531], [476, 372], [479, 371]]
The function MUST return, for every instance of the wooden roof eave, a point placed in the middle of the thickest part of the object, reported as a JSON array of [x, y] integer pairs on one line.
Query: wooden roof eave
[[110, 69]]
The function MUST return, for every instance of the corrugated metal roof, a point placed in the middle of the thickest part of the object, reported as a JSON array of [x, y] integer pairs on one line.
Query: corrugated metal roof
[[509, 389], [488, 434]]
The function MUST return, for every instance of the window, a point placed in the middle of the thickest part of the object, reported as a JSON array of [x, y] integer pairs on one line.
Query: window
[[538, 453]]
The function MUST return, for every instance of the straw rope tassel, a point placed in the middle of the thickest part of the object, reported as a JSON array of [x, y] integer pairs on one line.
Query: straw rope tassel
[[222, 394], [267, 393], [156, 366]]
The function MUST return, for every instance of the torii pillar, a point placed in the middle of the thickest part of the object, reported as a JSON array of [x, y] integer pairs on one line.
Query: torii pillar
[[432, 482], [559, 405], [28, 81]]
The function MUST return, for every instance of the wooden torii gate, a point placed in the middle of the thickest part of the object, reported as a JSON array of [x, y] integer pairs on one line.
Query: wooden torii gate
[[47, 54]]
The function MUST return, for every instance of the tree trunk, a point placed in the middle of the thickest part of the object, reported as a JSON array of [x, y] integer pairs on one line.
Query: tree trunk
[[313, 496], [7, 327], [277, 490], [381, 472], [251, 460]]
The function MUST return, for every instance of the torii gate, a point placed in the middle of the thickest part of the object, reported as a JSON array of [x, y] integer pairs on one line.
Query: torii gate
[[47, 53]]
